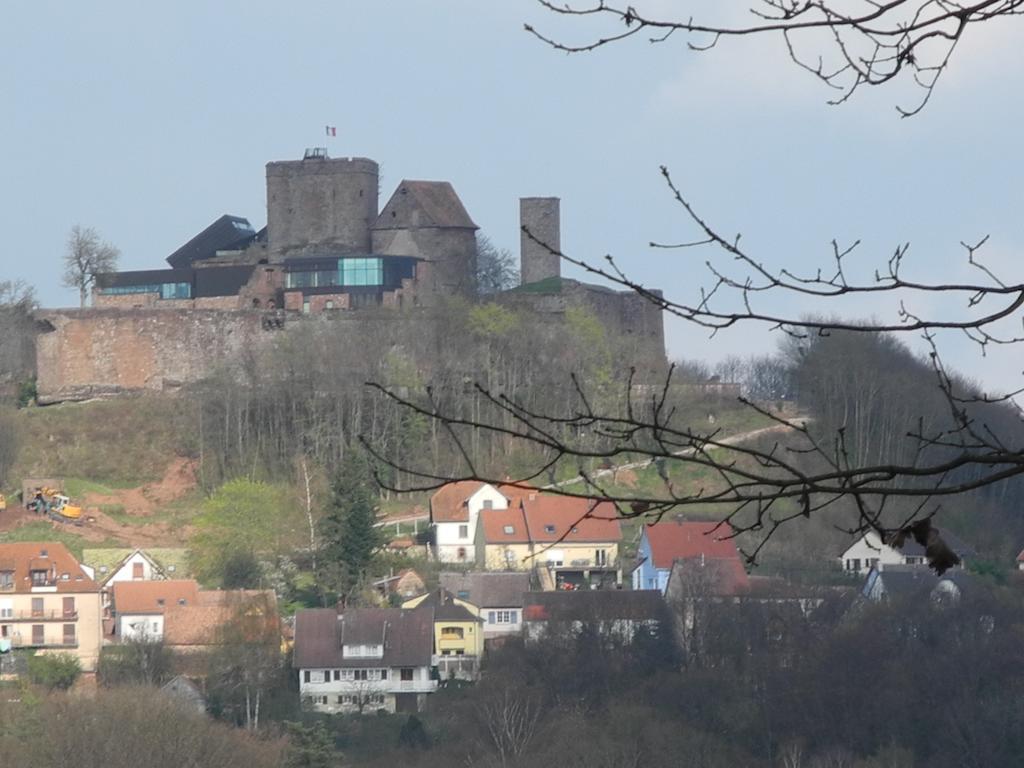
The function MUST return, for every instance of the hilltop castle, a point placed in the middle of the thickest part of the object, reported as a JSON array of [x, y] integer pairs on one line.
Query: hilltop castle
[[325, 250]]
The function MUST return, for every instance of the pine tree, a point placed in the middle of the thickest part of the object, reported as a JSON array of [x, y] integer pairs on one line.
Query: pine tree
[[349, 536]]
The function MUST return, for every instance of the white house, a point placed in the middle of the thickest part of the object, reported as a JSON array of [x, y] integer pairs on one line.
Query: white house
[[364, 660], [109, 566], [870, 552], [139, 606], [454, 510], [499, 596]]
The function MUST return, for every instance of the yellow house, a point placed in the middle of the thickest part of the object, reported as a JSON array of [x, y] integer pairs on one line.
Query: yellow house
[[570, 541], [458, 634], [48, 603]]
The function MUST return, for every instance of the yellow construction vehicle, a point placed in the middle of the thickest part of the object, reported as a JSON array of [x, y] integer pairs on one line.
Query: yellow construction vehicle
[[54, 504]]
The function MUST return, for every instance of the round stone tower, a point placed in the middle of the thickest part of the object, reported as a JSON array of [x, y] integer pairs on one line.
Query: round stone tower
[[320, 201]]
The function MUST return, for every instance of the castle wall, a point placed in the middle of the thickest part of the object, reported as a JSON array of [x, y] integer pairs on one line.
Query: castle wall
[[89, 353], [321, 201]]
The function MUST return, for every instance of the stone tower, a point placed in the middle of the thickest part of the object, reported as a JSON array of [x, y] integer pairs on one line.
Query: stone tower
[[540, 216], [320, 201]]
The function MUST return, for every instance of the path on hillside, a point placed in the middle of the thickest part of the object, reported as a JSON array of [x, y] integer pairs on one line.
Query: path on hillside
[[741, 437]]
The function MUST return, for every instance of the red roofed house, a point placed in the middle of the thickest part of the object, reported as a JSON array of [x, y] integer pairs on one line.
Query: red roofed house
[[571, 541], [454, 509], [662, 544], [48, 602]]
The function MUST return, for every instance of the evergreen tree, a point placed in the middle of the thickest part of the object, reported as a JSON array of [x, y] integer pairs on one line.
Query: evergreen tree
[[348, 534]]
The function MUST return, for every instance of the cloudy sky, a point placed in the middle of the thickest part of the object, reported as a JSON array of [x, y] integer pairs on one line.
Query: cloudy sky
[[148, 122]]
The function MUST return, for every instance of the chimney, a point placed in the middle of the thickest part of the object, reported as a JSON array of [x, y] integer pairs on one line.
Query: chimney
[[540, 217]]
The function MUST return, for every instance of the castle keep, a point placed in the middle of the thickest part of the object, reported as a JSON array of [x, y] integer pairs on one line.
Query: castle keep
[[326, 250]]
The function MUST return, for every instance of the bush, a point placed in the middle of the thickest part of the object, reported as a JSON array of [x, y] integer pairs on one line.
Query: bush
[[56, 672]]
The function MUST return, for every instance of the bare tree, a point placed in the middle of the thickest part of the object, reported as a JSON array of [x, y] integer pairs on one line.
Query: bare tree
[[495, 267], [846, 44], [17, 332], [511, 718], [87, 256]]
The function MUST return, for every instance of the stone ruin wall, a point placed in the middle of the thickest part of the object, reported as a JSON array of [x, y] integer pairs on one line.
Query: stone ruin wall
[[88, 353]]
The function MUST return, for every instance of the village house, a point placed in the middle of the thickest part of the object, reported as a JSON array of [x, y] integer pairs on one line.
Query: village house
[[454, 509], [616, 615], [109, 566], [364, 660], [663, 543], [48, 602], [569, 542], [870, 551], [406, 583], [458, 634], [898, 582], [498, 595], [187, 619]]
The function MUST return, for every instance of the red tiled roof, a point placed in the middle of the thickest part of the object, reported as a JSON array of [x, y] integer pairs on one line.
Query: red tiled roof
[[132, 597], [548, 518], [673, 540], [448, 504], [63, 571], [253, 611]]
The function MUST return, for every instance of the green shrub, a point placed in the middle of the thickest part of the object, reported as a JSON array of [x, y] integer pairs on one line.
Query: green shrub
[[58, 671]]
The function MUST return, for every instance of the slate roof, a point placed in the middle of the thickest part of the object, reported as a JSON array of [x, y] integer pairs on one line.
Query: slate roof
[[424, 204], [489, 590], [63, 570], [321, 632], [594, 605], [228, 233], [446, 608]]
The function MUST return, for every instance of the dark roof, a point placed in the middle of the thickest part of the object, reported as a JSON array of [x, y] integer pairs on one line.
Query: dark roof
[[489, 590], [594, 605], [143, 277], [910, 580], [321, 632], [221, 281], [446, 608], [228, 233], [418, 204]]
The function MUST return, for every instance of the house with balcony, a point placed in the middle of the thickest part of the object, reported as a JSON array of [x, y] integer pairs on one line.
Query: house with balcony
[[570, 542], [458, 634], [48, 602], [704, 544], [365, 659], [499, 597]]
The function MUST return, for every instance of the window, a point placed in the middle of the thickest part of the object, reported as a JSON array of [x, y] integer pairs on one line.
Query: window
[[383, 674], [69, 634], [360, 674], [6, 579], [305, 307], [502, 617], [337, 674], [407, 674], [137, 571], [600, 557], [122, 290], [175, 291], [37, 634], [6, 612], [509, 529], [69, 606], [488, 504], [463, 531], [37, 607], [549, 529], [853, 564], [362, 272], [38, 578], [347, 675], [451, 633], [305, 675]]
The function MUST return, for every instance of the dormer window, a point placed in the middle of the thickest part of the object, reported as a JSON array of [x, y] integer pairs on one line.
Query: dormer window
[[362, 651], [6, 579], [39, 578], [549, 529], [510, 529]]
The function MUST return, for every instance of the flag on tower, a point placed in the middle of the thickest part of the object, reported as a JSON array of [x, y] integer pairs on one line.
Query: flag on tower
[[332, 130]]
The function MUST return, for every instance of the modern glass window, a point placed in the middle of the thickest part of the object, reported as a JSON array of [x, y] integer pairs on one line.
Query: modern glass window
[[115, 290], [176, 291], [362, 272]]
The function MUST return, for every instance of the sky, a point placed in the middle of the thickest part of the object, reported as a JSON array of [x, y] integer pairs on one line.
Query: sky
[[147, 122]]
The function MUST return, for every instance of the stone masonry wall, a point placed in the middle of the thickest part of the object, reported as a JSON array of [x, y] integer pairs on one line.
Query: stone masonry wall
[[90, 353]]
